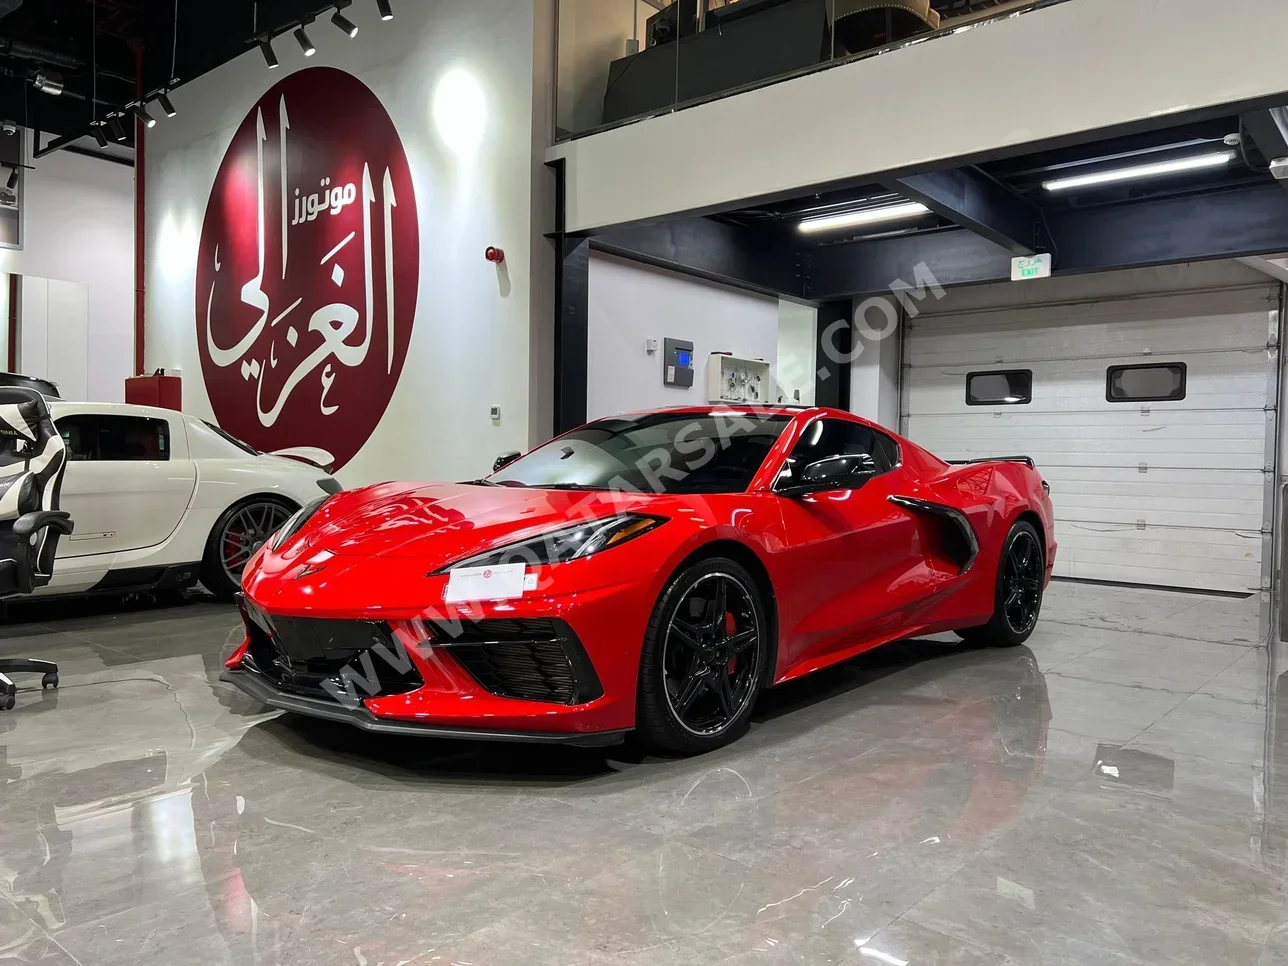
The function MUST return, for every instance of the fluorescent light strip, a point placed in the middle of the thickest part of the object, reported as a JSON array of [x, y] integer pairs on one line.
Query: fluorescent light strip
[[1195, 163], [867, 216]]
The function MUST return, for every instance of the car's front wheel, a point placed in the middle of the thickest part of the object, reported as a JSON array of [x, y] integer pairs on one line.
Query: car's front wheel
[[239, 532], [1017, 599], [703, 660]]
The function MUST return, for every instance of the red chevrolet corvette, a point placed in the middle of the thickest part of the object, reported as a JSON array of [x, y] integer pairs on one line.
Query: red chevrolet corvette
[[649, 572]]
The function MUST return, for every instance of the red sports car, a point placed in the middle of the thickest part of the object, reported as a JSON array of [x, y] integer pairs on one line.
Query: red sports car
[[649, 572]]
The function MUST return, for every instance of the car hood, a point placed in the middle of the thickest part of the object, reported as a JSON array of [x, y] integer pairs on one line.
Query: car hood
[[442, 522]]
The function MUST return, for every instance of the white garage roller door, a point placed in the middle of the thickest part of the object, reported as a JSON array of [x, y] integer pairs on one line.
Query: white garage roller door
[[1168, 492]]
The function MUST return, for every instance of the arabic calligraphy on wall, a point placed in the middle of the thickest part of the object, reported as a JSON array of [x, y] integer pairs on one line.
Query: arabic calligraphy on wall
[[308, 269]]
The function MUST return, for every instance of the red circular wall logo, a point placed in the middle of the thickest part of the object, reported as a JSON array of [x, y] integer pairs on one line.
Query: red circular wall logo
[[308, 270]]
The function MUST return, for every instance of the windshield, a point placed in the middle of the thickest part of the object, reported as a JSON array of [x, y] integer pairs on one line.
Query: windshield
[[652, 453]]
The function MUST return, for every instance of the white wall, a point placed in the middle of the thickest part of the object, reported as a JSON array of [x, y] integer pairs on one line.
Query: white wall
[[78, 226], [1072, 67], [54, 316], [472, 343], [875, 367], [630, 302], [795, 368]]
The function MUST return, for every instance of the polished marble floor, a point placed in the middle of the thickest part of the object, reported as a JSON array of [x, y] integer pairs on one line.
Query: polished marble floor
[[1109, 794]]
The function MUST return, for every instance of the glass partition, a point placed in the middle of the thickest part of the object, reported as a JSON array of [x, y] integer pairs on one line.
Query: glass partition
[[599, 42], [621, 60]]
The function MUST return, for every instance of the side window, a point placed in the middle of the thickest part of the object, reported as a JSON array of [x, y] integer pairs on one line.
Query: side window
[[1003, 387], [890, 450], [838, 437], [90, 437], [1152, 382]]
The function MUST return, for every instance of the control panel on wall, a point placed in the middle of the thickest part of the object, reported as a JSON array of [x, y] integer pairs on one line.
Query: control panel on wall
[[734, 380], [677, 363]]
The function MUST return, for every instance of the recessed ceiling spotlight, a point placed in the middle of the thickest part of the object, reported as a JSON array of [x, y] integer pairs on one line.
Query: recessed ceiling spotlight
[[344, 23], [864, 216], [306, 45], [1158, 169]]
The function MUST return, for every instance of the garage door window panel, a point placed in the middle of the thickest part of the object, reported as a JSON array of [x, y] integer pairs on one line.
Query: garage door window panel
[[115, 439], [1155, 382], [1003, 387]]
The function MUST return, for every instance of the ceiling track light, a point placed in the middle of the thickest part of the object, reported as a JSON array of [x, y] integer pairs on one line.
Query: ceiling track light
[[166, 104], [306, 45], [386, 11], [142, 114], [864, 216], [344, 23], [97, 130], [115, 128], [270, 55], [1136, 172], [12, 183]]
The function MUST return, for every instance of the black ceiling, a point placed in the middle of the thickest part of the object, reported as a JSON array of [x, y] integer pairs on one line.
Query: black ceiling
[[1022, 176], [72, 36]]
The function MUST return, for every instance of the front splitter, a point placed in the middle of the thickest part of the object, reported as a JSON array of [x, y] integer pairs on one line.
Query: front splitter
[[263, 691]]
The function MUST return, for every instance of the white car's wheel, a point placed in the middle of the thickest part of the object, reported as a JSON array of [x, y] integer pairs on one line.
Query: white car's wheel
[[242, 530]]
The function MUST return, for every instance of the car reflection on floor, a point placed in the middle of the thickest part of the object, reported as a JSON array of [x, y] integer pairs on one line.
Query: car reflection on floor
[[268, 867]]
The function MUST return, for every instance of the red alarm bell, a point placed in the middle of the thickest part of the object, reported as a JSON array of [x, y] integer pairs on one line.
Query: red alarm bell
[[494, 254]]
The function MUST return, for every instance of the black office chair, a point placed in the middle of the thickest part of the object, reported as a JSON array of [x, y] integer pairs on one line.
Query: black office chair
[[32, 459]]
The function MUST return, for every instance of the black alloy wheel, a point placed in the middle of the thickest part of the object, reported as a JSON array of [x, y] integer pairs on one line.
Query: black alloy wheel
[[1022, 582], [1018, 594], [704, 659], [239, 533]]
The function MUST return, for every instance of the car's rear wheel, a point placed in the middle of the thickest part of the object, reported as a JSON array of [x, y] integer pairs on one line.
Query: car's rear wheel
[[242, 530], [703, 660], [1018, 595]]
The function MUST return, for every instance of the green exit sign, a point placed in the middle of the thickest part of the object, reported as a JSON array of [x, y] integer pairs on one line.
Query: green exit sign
[[1031, 266]]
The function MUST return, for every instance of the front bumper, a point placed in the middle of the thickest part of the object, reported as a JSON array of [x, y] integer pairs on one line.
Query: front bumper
[[605, 613], [262, 690]]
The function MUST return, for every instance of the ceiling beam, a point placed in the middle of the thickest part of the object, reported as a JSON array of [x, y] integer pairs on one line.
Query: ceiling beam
[[712, 250], [1269, 129], [1276, 268], [973, 202], [1234, 223]]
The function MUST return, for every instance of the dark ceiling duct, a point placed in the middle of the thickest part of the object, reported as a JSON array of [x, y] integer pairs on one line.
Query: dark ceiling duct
[[44, 55]]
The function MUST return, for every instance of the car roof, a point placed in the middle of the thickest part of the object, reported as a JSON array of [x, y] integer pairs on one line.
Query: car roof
[[726, 409], [714, 408], [113, 409]]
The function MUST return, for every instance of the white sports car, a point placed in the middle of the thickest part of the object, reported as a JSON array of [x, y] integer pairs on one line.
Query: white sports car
[[161, 500]]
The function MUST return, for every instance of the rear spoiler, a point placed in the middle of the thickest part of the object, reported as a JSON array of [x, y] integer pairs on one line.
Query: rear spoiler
[[1026, 460]]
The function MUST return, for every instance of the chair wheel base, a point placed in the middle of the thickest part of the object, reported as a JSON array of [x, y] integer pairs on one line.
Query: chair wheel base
[[7, 700], [50, 680]]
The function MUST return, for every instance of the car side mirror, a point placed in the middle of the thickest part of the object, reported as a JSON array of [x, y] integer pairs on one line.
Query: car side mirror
[[832, 473], [505, 459]]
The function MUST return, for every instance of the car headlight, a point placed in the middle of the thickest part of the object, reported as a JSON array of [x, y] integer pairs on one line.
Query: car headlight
[[296, 522], [566, 543]]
